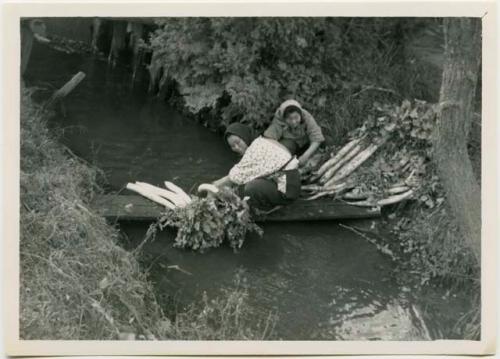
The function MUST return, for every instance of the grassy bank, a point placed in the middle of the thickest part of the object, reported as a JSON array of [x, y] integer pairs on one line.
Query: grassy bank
[[77, 282]]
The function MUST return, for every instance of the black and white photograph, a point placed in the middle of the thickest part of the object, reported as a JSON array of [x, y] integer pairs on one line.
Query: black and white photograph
[[250, 178]]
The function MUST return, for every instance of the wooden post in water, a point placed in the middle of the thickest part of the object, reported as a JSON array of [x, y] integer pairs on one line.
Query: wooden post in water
[[117, 41], [65, 90], [136, 36], [155, 72], [96, 30]]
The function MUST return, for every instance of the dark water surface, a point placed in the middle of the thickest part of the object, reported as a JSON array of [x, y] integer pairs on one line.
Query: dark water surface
[[323, 281]]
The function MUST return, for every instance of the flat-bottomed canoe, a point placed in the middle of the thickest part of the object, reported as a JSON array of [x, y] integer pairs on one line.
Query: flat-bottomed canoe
[[137, 208]]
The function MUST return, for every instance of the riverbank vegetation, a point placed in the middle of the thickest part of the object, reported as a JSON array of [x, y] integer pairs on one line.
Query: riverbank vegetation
[[76, 281], [343, 69], [243, 68]]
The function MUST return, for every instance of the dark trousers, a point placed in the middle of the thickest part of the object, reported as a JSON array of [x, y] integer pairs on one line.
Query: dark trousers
[[264, 192]]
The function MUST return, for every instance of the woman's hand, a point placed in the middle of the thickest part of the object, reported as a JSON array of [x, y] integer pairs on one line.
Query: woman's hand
[[224, 181], [308, 153], [302, 161], [209, 188]]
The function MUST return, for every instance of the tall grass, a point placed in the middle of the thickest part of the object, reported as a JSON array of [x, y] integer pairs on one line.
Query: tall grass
[[76, 280]]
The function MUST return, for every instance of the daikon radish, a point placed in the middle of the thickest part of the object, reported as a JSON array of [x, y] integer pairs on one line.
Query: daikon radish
[[355, 163], [204, 187], [311, 187], [332, 170], [176, 189], [408, 179], [397, 189], [366, 203], [384, 202], [396, 198], [149, 195], [328, 191], [171, 196], [342, 152], [319, 195], [355, 196], [338, 186]]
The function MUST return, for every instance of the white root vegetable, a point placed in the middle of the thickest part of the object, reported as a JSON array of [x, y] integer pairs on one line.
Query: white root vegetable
[[396, 198], [366, 203], [397, 189], [410, 176], [170, 196], [355, 196], [384, 202], [150, 195], [204, 187], [311, 187], [342, 152], [319, 195], [177, 190], [354, 164], [331, 171], [328, 191], [335, 186]]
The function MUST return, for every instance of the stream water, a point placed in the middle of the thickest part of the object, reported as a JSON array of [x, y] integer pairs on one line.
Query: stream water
[[322, 281]]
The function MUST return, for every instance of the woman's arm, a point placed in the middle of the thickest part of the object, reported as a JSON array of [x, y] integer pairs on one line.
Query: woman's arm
[[309, 152], [215, 186], [223, 182]]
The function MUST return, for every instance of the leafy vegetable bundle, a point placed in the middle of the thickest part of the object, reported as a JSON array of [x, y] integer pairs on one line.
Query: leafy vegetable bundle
[[211, 221], [386, 160]]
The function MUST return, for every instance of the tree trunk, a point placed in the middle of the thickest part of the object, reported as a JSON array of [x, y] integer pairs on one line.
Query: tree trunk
[[460, 74]]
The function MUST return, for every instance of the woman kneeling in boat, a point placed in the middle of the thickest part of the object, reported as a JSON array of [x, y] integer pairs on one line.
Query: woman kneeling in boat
[[267, 171], [297, 129]]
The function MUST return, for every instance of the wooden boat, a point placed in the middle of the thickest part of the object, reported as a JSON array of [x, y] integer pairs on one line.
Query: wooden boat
[[137, 208]]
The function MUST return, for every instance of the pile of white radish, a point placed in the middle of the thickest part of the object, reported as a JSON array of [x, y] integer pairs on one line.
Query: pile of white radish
[[334, 178], [170, 197]]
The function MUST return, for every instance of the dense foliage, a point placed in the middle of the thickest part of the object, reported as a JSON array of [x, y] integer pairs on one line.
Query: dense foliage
[[242, 68], [211, 221]]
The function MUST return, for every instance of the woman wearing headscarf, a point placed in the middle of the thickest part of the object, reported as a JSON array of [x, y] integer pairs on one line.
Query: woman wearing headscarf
[[296, 128], [267, 171]]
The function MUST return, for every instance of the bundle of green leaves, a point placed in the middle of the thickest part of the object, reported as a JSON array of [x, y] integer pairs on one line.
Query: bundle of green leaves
[[406, 157], [211, 221]]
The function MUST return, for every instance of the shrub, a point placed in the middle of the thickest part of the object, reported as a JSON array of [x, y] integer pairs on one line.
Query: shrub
[[242, 68]]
